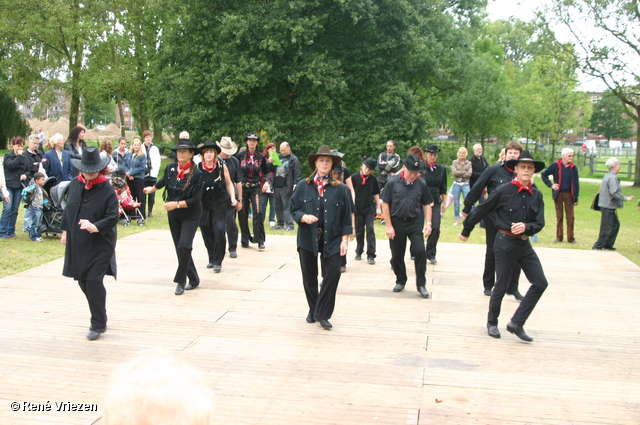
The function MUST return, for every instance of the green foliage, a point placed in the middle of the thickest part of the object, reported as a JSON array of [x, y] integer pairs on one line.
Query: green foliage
[[11, 122], [610, 120]]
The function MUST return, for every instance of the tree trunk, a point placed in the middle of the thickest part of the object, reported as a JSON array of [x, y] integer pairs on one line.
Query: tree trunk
[[157, 134], [120, 112], [75, 100], [636, 180]]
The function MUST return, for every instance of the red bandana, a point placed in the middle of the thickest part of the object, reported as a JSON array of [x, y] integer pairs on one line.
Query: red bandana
[[432, 166], [364, 178], [406, 183], [210, 169], [182, 170], [522, 187], [88, 184], [320, 182]]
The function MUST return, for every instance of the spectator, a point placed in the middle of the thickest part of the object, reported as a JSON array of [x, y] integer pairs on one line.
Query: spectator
[[59, 160], [16, 170], [106, 151], [120, 158], [267, 198], [478, 164], [285, 181], [134, 174], [461, 170], [75, 142], [611, 199], [151, 170], [37, 201], [389, 163], [564, 191]]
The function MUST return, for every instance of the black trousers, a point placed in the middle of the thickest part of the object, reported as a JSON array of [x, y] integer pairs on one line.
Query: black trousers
[[510, 252], [183, 232], [489, 275], [251, 197], [232, 229], [365, 223], [214, 239], [137, 192], [609, 228], [321, 304], [151, 197], [411, 229], [96, 296], [432, 239]]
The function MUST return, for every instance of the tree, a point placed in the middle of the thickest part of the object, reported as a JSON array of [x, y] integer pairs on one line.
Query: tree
[[609, 50], [349, 74], [46, 43], [609, 118]]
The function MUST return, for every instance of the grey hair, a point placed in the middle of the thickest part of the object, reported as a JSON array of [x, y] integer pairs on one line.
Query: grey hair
[[566, 151], [612, 162]]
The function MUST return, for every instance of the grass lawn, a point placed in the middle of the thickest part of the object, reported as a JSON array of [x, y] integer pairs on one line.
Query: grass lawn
[[21, 253]]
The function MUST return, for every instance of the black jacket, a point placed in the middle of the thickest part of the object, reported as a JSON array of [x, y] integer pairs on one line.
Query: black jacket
[[478, 165], [336, 203], [14, 167], [492, 178], [293, 172], [34, 161], [90, 255]]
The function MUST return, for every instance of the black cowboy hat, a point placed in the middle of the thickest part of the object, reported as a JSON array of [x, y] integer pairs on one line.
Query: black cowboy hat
[[251, 135], [525, 156], [91, 161], [323, 151], [209, 145], [413, 163], [432, 148], [186, 144], [370, 162]]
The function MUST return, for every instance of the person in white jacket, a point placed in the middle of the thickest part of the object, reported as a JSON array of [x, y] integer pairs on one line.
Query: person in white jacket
[[3, 186], [153, 167]]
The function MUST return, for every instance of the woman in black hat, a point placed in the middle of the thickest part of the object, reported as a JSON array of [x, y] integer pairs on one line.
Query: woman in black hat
[[322, 208], [435, 174], [217, 193], [254, 168], [183, 182], [89, 233]]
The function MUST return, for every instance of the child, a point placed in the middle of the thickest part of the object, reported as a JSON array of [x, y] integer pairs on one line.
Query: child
[[37, 198]]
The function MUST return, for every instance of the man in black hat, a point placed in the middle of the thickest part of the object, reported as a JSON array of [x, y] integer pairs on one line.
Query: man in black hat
[[366, 196], [518, 213], [227, 151], [435, 174], [404, 196], [492, 178]]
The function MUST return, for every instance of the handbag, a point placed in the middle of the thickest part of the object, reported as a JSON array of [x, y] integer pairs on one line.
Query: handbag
[[595, 204]]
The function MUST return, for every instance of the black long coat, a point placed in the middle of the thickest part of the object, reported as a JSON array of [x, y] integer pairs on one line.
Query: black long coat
[[89, 256]]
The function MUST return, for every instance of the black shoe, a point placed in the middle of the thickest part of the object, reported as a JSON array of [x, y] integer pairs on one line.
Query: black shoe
[[597, 249], [487, 292], [189, 287], [180, 289], [326, 324], [398, 288], [93, 335], [217, 268], [233, 254], [260, 246], [150, 215], [310, 318], [493, 331], [518, 331], [433, 260], [371, 260], [358, 257], [210, 265], [610, 248], [518, 296], [244, 244], [423, 292]]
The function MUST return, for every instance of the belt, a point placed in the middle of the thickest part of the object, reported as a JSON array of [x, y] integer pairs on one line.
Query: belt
[[250, 184], [403, 218], [513, 235]]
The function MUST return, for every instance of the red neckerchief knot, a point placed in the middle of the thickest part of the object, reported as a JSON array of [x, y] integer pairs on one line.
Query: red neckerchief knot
[[209, 169], [406, 183], [320, 182], [522, 187], [364, 178], [88, 184], [432, 166], [182, 170]]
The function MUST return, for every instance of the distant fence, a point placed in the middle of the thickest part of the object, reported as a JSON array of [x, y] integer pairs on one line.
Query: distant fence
[[594, 163]]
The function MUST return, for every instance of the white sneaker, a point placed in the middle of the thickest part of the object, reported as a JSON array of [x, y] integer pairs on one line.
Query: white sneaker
[[272, 223], [38, 240]]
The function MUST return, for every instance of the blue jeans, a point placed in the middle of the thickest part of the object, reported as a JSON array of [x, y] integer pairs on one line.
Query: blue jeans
[[10, 213], [456, 189], [35, 220]]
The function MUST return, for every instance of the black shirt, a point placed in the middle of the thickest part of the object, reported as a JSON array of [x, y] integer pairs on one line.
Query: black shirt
[[187, 190], [254, 167], [406, 201], [365, 203], [509, 207], [478, 165], [436, 180], [492, 178]]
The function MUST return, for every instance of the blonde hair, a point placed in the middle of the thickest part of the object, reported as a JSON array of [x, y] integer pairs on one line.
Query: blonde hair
[[140, 151], [463, 149], [54, 139], [156, 389]]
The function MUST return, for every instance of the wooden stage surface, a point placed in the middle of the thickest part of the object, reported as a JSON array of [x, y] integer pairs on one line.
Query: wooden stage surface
[[391, 358]]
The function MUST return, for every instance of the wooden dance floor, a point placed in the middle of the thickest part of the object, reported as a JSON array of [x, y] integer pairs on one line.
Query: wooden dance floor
[[391, 358]]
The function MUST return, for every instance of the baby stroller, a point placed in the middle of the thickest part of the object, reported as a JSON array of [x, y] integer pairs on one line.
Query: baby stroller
[[52, 212], [126, 203]]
